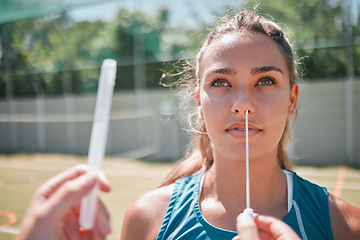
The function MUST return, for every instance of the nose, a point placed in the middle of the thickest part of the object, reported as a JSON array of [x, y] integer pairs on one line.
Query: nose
[[242, 102]]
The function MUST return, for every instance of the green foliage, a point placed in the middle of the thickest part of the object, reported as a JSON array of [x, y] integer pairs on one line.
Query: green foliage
[[54, 55], [318, 32], [357, 60]]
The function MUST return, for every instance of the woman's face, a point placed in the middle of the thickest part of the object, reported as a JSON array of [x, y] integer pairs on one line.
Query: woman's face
[[239, 72]]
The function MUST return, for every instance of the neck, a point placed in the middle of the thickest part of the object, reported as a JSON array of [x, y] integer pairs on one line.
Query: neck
[[225, 183]]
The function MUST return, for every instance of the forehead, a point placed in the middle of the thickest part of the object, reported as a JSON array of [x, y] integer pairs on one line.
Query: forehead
[[242, 51]]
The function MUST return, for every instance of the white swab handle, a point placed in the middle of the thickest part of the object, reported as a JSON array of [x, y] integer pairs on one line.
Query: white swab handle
[[98, 138], [249, 211]]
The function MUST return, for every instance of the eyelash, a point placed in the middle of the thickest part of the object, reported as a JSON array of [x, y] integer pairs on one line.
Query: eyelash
[[259, 83], [271, 79], [215, 81]]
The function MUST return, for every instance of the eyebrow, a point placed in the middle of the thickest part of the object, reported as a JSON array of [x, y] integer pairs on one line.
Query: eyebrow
[[258, 70], [229, 71], [254, 71]]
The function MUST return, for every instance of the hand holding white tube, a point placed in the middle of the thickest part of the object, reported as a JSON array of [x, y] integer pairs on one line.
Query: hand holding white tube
[[53, 210]]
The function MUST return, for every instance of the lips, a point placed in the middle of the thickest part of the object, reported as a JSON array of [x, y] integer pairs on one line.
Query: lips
[[238, 129], [242, 126]]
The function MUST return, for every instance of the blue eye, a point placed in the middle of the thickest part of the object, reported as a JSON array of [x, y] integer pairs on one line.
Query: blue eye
[[219, 83], [266, 81]]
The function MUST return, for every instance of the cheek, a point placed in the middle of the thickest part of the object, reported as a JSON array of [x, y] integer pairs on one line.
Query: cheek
[[276, 102], [213, 110], [207, 107], [277, 115]]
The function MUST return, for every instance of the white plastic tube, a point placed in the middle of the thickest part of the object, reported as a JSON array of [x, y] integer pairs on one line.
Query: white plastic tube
[[98, 138]]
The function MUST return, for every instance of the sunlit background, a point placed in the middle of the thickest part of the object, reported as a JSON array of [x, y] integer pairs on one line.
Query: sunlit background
[[51, 52], [50, 57]]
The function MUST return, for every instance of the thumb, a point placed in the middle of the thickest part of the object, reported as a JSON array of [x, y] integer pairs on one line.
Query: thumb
[[246, 227]]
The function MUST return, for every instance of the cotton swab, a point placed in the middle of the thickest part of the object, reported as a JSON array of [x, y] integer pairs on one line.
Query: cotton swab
[[247, 210], [98, 138]]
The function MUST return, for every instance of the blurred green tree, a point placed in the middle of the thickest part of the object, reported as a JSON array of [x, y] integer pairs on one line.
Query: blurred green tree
[[317, 28], [52, 55]]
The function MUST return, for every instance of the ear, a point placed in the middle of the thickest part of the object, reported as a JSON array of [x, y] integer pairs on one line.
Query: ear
[[197, 96], [294, 94]]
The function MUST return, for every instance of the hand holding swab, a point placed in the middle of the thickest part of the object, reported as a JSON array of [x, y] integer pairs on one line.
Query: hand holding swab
[[98, 138]]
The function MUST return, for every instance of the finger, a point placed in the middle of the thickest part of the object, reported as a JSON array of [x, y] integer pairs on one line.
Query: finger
[[104, 183], [102, 219], [87, 234], [246, 227], [98, 236], [277, 228], [91, 234], [101, 227], [69, 194], [71, 225], [51, 186], [265, 235]]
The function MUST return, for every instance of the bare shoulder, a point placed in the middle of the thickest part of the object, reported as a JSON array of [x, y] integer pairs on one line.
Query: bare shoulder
[[144, 216], [345, 218]]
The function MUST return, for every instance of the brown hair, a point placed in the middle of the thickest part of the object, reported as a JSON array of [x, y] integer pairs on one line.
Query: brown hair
[[200, 154]]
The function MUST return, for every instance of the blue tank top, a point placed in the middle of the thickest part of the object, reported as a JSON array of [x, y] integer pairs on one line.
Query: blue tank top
[[309, 213]]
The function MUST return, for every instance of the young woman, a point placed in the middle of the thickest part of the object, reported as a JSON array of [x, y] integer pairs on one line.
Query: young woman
[[245, 65]]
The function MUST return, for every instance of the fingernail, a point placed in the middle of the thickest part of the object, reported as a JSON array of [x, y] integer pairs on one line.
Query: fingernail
[[243, 217], [103, 177], [105, 183], [83, 231]]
